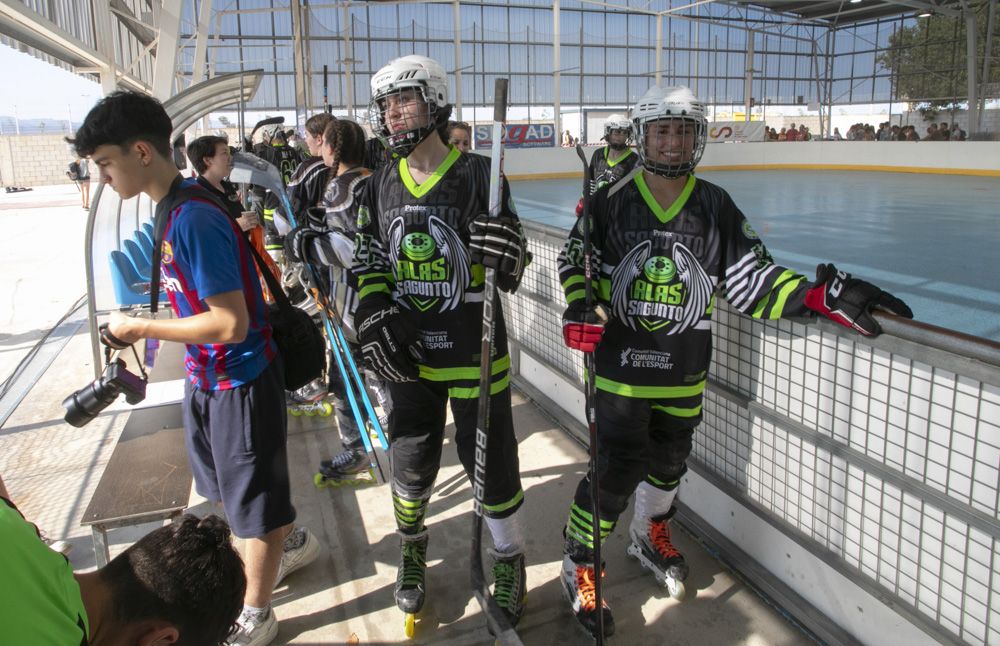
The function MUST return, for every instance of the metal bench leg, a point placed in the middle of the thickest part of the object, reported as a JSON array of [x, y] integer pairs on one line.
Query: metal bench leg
[[102, 553]]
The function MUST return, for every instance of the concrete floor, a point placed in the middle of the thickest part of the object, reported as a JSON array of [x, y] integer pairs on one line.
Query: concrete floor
[[51, 470]]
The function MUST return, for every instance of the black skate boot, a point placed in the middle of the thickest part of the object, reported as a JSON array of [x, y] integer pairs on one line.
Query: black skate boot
[[410, 575], [347, 467], [509, 587], [578, 586], [652, 546]]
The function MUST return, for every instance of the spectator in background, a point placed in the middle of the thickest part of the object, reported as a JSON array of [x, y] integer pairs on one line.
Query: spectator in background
[[83, 181], [459, 135], [783, 135], [567, 139], [911, 134], [957, 134], [803, 133], [932, 133], [836, 135], [893, 134], [792, 134]]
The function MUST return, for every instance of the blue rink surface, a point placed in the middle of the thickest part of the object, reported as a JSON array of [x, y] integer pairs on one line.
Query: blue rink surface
[[932, 240]]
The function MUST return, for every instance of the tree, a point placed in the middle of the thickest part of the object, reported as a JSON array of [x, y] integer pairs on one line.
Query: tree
[[928, 60], [224, 120]]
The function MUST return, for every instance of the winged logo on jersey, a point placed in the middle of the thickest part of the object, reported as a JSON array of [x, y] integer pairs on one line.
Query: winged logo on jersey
[[432, 268], [658, 291]]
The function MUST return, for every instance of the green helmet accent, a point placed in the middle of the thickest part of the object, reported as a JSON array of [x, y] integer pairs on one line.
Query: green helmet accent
[[659, 269], [418, 246]]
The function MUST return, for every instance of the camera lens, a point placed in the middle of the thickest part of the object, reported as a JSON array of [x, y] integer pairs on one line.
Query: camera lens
[[85, 404]]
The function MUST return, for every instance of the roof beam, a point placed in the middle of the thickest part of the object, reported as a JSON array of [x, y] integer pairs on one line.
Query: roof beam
[[35, 30]]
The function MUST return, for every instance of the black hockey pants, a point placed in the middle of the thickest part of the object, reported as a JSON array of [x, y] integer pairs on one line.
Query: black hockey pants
[[416, 426], [636, 440]]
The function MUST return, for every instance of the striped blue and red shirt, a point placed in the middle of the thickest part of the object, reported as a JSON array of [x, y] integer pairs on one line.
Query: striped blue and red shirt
[[204, 254]]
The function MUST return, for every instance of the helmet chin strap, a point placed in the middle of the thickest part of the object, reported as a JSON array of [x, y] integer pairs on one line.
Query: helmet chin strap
[[405, 142]]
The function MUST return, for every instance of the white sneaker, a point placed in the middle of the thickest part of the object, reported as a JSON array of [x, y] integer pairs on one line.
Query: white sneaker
[[254, 630], [301, 549]]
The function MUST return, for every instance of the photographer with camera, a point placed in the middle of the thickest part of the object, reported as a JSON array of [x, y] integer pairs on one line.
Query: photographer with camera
[[234, 400]]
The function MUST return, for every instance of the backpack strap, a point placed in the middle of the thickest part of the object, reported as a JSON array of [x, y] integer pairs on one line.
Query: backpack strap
[[176, 196]]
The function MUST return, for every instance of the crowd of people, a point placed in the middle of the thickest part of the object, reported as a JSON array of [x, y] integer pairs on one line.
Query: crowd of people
[[402, 223], [867, 132], [888, 132]]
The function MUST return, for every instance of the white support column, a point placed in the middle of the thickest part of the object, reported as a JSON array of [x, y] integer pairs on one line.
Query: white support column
[[198, 72], [971, 67], [456, 26], [298, 61], [168, 27], [105, 37], [748, 78], [348, 61], [556, 65], [659, 49]]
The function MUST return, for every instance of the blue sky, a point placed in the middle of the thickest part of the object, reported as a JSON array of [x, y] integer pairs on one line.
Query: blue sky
[[40, 90]]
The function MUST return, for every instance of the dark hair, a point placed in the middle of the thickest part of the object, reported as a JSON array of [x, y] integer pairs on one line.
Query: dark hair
[[348, 142], [201, 148], [121, 119], [455, 125], [186, 573], [316, 124]]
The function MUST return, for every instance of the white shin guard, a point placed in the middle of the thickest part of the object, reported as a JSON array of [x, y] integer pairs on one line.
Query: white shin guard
[[651, 502], [508, 533]]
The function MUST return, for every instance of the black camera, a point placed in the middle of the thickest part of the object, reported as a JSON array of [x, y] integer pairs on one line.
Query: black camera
[[85, 404]]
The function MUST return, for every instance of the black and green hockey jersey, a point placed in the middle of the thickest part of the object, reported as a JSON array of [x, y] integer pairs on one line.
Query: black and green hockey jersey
[[306, 186], [412, 246], [606, 169], [660, 270]]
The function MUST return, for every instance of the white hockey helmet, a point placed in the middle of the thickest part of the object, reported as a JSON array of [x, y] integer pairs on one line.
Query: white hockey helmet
[[675, 105], [618, 122], [412, 72]]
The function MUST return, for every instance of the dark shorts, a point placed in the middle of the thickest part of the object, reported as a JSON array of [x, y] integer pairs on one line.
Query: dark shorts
[[236, 445]]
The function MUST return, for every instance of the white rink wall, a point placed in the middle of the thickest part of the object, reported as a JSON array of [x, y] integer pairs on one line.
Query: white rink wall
[[960, 158]]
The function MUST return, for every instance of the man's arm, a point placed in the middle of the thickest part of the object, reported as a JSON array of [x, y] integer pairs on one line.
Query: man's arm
[[226, 321]]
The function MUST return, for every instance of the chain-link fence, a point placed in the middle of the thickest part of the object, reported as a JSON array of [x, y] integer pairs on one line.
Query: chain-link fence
[[880, 456]]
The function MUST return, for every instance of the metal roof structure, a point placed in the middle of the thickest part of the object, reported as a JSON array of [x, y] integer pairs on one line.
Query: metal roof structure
[[842, 13]]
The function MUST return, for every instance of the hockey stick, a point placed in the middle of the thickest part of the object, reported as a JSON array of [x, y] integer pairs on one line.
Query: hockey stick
[[495, 618], [326, 92], [590, 399], [334, 325]]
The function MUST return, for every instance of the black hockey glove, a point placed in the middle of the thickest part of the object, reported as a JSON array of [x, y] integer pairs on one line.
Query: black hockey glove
[[316, 218], [299, 243], [850, 301], [499, 243], [583, 325], [389, 342]]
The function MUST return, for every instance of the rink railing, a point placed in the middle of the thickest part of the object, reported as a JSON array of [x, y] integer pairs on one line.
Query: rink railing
[[858, 476]]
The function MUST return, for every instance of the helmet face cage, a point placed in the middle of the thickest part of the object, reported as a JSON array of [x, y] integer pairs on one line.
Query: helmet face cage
[[419, 126], [671, 146], [406, 79], [620, 124]]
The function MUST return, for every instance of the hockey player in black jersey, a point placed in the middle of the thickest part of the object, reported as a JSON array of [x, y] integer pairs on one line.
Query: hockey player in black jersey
[[308, 182], [423, 241], [325, 237], [614, 161], [664, 244]]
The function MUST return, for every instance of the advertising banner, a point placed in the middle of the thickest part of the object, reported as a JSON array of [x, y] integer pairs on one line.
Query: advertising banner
[[519, 135], [742, 131]]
